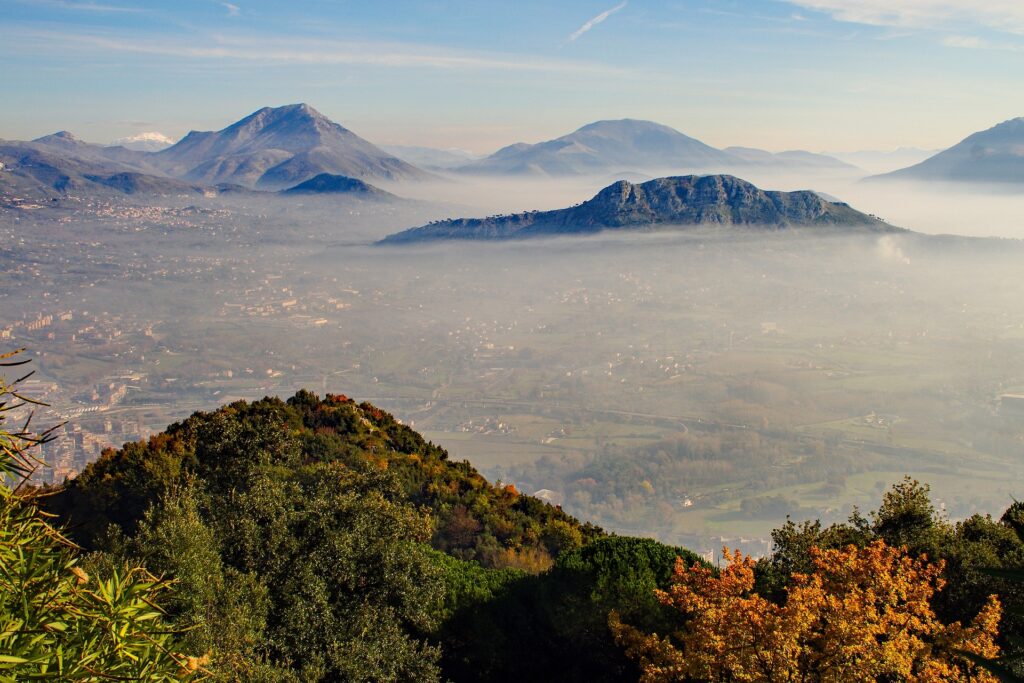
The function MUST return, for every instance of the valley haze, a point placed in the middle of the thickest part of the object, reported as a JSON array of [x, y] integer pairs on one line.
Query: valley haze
[[240, 262]]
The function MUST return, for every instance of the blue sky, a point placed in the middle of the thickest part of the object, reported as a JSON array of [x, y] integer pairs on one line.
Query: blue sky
[[812, 74]]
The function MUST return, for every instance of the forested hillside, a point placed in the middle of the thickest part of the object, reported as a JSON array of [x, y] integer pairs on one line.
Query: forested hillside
[[320, 540], [230, 447]]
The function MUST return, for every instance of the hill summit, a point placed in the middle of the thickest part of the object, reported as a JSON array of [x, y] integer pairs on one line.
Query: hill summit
[[719, 200]]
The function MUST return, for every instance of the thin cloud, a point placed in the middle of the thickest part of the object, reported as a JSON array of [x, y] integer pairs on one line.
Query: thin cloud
[[596, 20], [302, 51], [1001, 15], [968, 42], [233, 10], [976, 43], [80, 6]]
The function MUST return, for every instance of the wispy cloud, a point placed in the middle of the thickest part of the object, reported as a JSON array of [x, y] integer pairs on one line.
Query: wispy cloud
[[976, 43], [896, 35], [80, 6], [1001, 15], [596, 20], [969, 42], [233, 10], [261, 49]]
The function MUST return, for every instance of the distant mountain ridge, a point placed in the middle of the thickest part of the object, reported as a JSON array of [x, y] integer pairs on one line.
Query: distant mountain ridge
[[790, 158], [271, 149], [719, 200], [36, 168], [995, 155], [274, 148], [430, 157], [66, 144], [602, 145], [61, 164], [638, 146]]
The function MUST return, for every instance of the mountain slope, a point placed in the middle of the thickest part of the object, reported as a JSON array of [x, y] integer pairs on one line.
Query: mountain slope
[[606, 146], [278, 147], [995, 155], [683, 200]]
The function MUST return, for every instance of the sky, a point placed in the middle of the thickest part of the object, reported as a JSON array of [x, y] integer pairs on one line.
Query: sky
[[823, 75]]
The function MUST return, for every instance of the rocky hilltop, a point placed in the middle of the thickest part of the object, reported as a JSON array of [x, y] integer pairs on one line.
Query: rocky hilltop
[[717, 200]]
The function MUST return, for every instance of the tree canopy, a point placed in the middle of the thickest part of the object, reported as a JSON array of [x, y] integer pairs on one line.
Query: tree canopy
[[860, 614]]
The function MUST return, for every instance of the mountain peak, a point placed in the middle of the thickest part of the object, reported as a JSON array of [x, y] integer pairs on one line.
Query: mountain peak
[[605, 146], [300, 109], [294, 118], [61, 136], [638, 133], [278, 147], [632, 125]]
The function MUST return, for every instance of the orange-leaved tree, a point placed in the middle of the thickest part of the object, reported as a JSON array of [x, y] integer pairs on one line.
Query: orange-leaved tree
[[862, 614]]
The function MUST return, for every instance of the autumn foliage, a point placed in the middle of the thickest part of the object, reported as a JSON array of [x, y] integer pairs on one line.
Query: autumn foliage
[[862, 614]]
